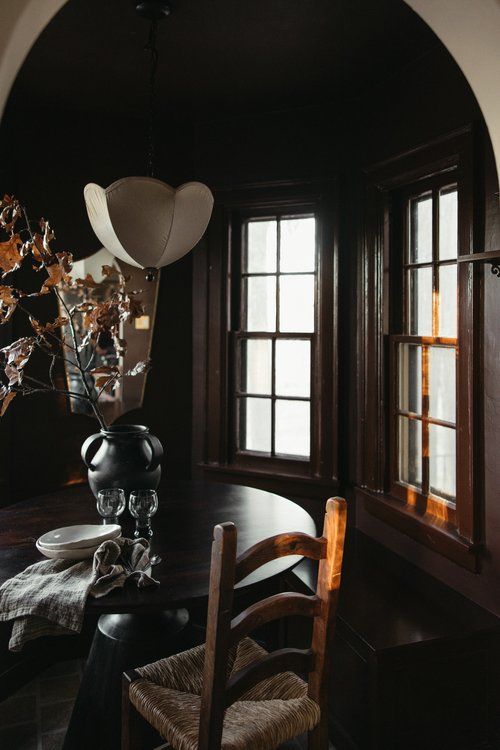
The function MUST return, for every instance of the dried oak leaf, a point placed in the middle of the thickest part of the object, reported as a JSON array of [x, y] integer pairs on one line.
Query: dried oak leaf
[[89, 282], [8, 302], [110, 271], [11, 254], [41, 328], [58, 271], [6, 397], [16, 358], [105, 376], [10, 213], [140, 368]]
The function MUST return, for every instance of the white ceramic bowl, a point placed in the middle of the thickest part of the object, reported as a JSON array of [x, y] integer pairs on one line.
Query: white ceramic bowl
[[78, 537], [67, 554]]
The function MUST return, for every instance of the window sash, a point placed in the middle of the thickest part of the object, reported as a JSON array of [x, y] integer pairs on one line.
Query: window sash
[[424, 499], [241, 334]]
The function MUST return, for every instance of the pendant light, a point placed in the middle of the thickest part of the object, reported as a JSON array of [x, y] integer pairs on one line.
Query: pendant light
[[142, 220]]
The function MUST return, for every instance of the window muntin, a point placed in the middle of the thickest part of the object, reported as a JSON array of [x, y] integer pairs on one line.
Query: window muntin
[[426, 354], [275, 343]]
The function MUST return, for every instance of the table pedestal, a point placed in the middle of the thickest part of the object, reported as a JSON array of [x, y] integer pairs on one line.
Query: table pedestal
[[120, 642]]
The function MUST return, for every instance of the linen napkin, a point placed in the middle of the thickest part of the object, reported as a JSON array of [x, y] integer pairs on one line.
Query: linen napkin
[[48, 598]]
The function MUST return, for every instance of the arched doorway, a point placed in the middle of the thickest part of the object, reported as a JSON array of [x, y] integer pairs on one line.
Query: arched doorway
[[468, 30]]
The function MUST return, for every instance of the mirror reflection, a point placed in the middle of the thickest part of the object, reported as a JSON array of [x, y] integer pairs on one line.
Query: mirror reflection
[[126, 394]]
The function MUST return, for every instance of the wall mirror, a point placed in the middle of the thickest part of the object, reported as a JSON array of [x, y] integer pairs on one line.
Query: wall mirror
[[129, 392]]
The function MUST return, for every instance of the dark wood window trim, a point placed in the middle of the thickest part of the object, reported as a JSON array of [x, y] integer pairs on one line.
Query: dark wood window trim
[[219, 458], [458, 540]]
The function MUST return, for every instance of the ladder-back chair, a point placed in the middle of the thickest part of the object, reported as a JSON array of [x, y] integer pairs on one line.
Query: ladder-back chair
[[231, 694]]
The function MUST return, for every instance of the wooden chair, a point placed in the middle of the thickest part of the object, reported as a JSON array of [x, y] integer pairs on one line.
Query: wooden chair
[[231, 694]]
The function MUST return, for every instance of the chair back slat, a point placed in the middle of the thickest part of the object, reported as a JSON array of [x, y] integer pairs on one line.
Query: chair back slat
[[220, 602], [283, 660], [218, 691], [328, 588], [278, 546], [286, 604]]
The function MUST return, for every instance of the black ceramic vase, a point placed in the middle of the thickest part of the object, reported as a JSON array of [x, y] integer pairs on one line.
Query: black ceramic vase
[[125, 456]]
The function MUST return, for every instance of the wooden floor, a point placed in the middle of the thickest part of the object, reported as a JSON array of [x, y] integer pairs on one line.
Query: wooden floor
[[36, 717]]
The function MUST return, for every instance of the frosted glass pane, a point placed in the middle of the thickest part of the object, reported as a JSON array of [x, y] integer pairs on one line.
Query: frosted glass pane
[[410, 451], [261, 303], [293, 368], [293, 427], [410, 378], [255, 421], [442, 463], [421, 230], [442, 394], [261, 247], [297, 304], [420, 302], [448, 301], [448, 225], [298, 244], [256, 366]]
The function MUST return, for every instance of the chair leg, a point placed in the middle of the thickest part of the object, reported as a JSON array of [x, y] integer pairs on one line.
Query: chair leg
[[131, 719], [318, 739]]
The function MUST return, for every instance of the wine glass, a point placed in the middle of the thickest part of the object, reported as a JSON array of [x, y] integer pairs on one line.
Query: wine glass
[[111, 504], [142, 505]]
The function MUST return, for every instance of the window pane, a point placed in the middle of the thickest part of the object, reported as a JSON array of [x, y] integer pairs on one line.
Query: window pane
[[297, 304], [448, 301], [410, 451], [261, 303], [442, 468], [261, 247], [293, 427], [420, 302], [421, 229], [410, 378], [256, 366], [255, 424], [298, 244], [448, 224], [293, 368], [442, 395]]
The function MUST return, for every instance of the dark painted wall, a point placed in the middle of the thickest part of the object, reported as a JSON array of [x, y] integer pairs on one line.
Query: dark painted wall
[[48, 171], [47, 159], [425, 100]]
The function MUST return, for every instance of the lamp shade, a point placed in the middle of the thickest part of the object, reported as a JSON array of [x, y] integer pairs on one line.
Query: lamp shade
[[147, 223]]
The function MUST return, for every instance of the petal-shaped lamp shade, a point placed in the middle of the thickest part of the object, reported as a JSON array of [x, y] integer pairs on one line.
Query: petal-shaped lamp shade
[[146, 222]]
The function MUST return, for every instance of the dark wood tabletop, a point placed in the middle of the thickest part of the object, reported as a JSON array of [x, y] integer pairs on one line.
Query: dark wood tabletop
[[183, 528]]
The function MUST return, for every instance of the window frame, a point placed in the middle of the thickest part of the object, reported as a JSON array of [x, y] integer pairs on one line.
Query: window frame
[[314, 476], [399, 327], [458, 537], [241, 456]]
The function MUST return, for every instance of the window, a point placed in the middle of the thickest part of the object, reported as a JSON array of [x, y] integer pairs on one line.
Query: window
[[418, 382], [425, 355], [268, 395], [276, 339]]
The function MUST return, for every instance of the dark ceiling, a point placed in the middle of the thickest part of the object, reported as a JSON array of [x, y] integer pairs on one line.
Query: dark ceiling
[[219, 57]]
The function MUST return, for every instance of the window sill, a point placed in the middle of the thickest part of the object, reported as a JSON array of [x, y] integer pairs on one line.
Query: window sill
[[434, 533], [300, 485]]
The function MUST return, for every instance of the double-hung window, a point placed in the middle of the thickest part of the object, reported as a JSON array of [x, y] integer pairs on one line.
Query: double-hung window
[[424, 356], [271, 379], [418, 347], [276, 340]]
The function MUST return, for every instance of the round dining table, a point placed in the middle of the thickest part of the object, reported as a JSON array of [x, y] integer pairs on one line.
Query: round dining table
[[136, 626]]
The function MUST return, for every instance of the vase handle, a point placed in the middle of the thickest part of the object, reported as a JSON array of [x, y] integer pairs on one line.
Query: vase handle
[[86, 448], [156, 450]]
